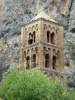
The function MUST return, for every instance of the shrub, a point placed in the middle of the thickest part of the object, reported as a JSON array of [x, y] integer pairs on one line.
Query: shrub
[[30, 85]]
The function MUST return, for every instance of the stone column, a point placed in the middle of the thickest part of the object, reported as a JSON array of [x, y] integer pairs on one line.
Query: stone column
[[22, 36], [61, 36], [58, 34], [56, 39], [41, 56], [41, 32], [21, 65]]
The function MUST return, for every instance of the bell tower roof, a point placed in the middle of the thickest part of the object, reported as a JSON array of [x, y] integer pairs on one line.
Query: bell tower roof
[[43, 15]]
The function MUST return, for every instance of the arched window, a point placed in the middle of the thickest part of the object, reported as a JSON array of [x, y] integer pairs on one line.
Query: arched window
[[34, 60], [52, 38], [54, 62], [34, 38], [28, 62], [58, 54], [30, 39], [48, 36], [47, 60]]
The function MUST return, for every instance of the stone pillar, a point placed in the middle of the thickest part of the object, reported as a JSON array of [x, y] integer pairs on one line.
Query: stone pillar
[[23, 36], [41, 56], [50, 38], [21, 66], [61, 36], [41, 32], [58, 34], [56, 39]]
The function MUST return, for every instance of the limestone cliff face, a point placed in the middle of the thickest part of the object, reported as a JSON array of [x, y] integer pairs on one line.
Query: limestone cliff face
[[13, 13]]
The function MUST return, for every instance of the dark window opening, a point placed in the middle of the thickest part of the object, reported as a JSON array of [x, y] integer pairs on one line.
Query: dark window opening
[[47, 60], [30, 40], [48, 36], [52, 38], [34, 36], [54, 62], [34, 60], [28, 62]]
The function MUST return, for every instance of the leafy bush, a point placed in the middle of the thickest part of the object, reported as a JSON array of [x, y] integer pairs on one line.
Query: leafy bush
[[30, 85]]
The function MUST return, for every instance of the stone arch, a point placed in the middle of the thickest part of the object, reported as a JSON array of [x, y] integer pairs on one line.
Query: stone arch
[[30, 39], [48, 36], [53, 29], [34, 32], [28, 62], [49, 49], [36, 26], [54, 52], [49, 27], [45, 26], [33, 28], [53, 35], [45, 72], [32, 49], [52, 38], [34, 60], [45, 50], [47, 60], [51, 75]]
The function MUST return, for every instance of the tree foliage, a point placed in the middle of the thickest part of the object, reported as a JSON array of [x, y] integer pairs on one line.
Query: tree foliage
[[31, 85]]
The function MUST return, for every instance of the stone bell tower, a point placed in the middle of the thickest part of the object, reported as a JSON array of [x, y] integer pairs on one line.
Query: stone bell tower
[[42, 46]]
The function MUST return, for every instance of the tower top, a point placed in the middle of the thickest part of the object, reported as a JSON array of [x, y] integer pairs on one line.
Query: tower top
[[43, 15]]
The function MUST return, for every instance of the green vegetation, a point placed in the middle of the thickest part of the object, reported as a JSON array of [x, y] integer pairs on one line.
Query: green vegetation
[[32, 85]]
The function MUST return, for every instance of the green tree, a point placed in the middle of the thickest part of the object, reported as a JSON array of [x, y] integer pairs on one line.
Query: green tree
[[30, 85]]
